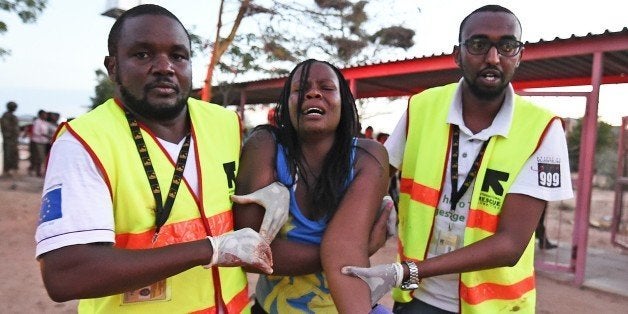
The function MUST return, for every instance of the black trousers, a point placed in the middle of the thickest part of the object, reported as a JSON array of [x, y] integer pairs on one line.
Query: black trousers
[[257, 308], [417, 306]]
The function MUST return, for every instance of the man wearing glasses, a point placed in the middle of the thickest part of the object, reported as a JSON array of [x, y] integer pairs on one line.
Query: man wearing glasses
[[478, 166]]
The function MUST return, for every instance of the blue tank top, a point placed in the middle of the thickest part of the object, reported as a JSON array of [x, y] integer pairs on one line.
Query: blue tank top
[[307, 293], [302, 229]]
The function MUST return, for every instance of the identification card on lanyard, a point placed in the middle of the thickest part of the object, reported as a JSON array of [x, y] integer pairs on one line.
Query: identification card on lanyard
[[159, 291]]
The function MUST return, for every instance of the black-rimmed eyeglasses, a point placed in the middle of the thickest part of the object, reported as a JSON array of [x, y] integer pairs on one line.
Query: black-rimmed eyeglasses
[[505, 47]]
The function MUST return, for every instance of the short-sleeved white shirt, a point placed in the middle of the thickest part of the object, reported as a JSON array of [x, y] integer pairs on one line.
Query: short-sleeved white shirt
[[76, 204], [448, 235]]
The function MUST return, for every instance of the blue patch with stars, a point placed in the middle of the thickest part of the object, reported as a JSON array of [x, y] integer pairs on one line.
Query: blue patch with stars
[[50, 206]]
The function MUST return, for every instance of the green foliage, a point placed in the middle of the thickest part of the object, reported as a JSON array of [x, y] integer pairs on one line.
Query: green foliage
[[394, 36], [605, 149], [347, 30], [198, 45], [26, 10], [282, 33], [606, 167], [103, 90], [345, 47], [333, 4]]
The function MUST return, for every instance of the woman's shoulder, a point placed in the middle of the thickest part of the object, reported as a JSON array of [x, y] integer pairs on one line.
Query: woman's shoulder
[[261, 137], [369, 144], [257, 160], [373, 148]]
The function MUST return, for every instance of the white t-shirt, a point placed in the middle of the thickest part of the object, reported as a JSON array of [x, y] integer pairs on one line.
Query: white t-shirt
[[42, 131], [552, 185], [76, 204]]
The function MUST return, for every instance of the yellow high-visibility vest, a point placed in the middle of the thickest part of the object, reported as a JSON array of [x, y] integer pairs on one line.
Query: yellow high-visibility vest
[[106, 135], [504, 289]]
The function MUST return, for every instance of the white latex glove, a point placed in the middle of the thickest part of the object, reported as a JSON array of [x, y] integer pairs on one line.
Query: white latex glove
[[380, 278], [243, 247], [391, 223], [275, 198], [384, 227]]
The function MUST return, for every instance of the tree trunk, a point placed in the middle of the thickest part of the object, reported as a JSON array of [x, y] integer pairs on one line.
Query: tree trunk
[[220, 46]]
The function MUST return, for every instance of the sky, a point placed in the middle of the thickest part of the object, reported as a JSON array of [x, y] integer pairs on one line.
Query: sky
[[53, 61]]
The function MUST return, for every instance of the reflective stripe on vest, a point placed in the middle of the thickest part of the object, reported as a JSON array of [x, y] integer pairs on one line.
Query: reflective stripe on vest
[[428, 143], [216, 135]]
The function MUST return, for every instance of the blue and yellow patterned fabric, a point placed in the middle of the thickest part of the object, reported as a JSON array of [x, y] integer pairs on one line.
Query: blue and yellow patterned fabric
[[298, 294]]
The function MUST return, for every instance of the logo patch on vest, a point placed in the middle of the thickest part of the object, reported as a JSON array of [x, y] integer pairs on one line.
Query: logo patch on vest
[[493, 181], [230, 173]]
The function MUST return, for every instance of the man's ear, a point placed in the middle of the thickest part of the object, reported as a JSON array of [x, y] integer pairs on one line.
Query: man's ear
[[456, 55], [110, 65]]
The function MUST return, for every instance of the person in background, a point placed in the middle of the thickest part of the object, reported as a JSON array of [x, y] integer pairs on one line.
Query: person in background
[[368, 133], [53, 124], [479, 165], [41, 139], [136, 213], [336, 183], [10, 132], [360, 134], [382, 137], [270, 116], [541, 235], [393, 186], [32, 148]]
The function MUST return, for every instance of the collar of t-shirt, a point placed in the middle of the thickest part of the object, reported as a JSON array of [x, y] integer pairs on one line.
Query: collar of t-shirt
[[501, 123], [189, 173]]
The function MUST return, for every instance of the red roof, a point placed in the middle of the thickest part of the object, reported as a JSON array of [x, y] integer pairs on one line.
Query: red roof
[[559, 62]]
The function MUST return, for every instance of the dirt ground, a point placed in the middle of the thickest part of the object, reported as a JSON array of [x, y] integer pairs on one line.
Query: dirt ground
[[22, 291]]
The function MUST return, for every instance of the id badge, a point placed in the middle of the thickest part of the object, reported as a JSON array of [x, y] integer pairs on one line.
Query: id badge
[[158, 291], [446, 242]]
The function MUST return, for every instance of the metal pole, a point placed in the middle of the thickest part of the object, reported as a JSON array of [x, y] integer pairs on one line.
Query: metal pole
[[585, 171], [621, 181], [242, 103]]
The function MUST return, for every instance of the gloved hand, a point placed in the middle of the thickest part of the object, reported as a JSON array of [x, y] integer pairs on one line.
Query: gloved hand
[[385, 225], [380, 278], [275, 198], [391, 223], [243, 247]]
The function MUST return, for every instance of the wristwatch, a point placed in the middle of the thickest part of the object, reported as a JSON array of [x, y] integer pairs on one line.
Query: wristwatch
[[413, 280]]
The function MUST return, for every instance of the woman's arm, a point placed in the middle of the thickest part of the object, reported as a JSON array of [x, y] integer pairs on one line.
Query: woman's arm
[[346, 239]]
